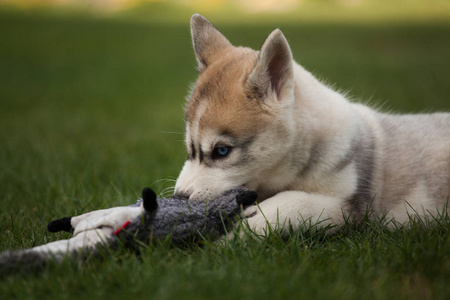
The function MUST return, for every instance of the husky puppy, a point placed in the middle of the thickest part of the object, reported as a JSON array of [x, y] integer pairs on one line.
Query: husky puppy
[[258, 119]]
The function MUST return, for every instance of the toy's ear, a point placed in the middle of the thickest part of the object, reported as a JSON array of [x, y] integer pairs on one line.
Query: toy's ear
[[246, 198], [60, 224], [149, 199]]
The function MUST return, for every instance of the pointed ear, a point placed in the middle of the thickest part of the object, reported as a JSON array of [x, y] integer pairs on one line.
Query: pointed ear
[[274, 68], [207, 40]]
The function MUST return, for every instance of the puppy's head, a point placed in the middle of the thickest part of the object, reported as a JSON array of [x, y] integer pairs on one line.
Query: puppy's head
[[239, 116]]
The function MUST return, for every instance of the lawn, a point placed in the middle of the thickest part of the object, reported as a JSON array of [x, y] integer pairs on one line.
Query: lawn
[[91, 111]]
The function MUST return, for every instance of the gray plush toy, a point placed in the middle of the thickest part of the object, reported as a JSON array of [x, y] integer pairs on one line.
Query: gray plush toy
[[150, 218]]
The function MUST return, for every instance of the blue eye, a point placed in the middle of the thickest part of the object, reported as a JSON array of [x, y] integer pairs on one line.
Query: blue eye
[[222, 151]]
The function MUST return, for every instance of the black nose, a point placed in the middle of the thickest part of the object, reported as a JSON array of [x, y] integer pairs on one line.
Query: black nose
[[246, 198]]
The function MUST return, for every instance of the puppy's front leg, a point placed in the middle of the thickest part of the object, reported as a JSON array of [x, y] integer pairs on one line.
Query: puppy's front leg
[[292, 209]]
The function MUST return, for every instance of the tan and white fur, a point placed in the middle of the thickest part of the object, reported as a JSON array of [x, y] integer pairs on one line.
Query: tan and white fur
[[308, 152]]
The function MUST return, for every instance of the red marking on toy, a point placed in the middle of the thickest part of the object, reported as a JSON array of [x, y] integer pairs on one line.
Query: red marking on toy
[[125, 225]]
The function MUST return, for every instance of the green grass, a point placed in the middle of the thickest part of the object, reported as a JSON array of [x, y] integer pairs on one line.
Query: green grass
[[91, 112]]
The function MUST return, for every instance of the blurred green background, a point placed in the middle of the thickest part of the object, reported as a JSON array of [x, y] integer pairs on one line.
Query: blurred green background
[[92, 92]]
